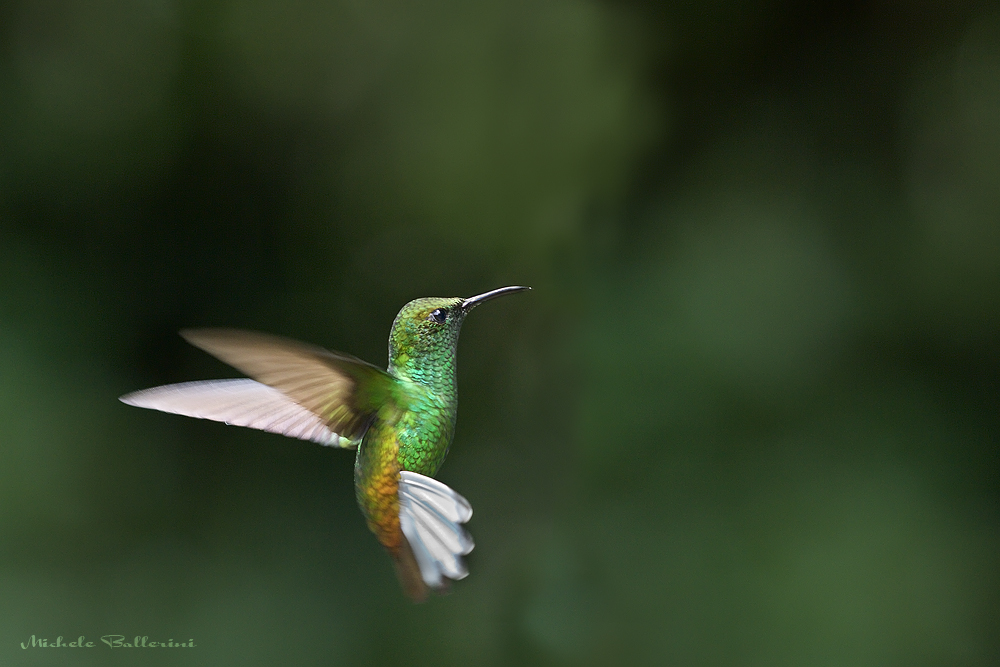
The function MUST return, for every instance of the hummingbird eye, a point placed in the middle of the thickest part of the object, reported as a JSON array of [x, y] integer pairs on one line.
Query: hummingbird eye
[[439, 315]]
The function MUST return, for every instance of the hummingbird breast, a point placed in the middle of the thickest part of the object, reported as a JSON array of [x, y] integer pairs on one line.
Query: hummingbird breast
[[424, 435], [418, 442]]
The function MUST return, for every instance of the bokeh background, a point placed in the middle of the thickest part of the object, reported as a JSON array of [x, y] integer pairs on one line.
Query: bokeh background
[[748, 415]]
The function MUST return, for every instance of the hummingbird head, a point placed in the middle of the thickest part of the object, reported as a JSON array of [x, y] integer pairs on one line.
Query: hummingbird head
[[424, 336]]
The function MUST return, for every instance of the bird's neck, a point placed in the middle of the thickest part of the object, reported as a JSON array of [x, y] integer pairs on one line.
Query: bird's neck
[[433, 369]]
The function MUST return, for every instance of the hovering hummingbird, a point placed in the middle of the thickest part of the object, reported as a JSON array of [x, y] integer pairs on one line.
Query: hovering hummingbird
[[401, 420]]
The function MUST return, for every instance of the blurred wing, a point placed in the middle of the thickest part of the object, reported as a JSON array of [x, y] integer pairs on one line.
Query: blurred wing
[[241, 402], [431, 515], [344, 391]]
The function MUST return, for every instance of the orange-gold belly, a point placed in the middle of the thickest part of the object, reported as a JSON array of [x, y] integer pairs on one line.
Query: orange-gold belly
[[376, 484]]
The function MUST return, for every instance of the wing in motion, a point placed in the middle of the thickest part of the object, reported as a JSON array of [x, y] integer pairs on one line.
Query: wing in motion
[[240, 402], [301, 391]]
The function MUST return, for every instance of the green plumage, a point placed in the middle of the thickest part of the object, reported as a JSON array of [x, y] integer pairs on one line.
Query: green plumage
[[423, 352]]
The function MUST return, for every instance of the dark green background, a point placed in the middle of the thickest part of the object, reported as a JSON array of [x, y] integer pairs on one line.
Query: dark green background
[[748, 415]]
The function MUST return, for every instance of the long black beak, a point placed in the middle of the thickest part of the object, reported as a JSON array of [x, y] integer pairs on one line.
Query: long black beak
[[473, 301]]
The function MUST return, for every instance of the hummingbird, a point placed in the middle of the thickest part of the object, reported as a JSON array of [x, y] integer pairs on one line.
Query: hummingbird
[[401, 421]]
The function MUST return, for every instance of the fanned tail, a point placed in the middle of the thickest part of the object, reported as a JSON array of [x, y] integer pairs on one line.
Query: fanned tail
[[431, 515]]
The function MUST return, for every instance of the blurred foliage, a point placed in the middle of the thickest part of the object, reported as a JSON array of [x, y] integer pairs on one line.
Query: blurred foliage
[[747, 417]]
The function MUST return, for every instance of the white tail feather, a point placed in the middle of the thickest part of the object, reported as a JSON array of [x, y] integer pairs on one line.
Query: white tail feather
[[430, 515], [240, 402]]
